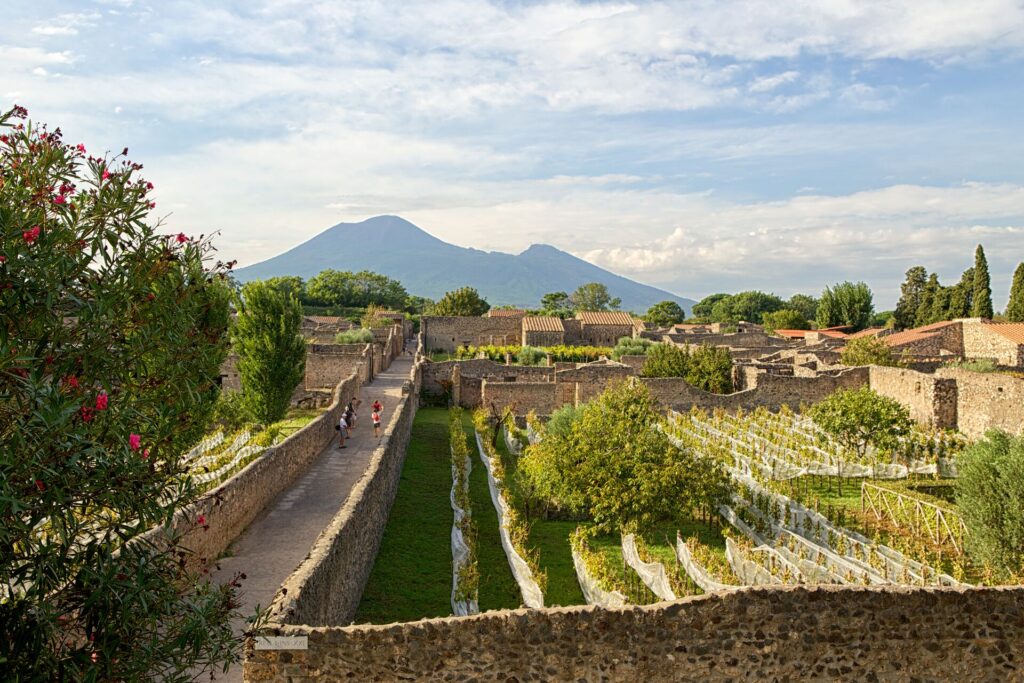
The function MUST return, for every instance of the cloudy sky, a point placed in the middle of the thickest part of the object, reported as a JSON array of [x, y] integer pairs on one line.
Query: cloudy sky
[[700, 146]]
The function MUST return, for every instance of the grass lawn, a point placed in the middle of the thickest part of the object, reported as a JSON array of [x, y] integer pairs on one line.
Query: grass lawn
[[297, 418], [498, 588], [610, 545], [661, 544], [412, 576]]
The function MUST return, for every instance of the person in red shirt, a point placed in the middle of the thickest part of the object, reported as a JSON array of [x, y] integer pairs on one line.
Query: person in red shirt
[[376, 423]]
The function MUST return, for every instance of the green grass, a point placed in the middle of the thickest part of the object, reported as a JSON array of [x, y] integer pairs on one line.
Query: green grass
[[412, 576], [610, 545], [661, 544], [296, 419], [498, 588]]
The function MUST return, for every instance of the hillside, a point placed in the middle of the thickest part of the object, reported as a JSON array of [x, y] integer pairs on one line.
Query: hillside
[[429, 267]]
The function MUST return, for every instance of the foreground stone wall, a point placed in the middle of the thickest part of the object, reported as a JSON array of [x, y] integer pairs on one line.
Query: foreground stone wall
[[762, 634], [986, 401], [929, 398], [327, 586], [523, 396], [325, 363]]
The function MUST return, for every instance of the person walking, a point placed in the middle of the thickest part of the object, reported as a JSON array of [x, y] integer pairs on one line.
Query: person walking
[[342, 431], [350, 420], [376, 424], [377, 406]]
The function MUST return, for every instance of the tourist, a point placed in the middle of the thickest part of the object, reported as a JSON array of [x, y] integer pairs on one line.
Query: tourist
[[342, 431], [350, 419], [376, 424], [377, 406]]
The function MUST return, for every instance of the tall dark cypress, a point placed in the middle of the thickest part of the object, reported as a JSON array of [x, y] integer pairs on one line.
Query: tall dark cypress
[[982, 305], [1015, 309], [962, 296], [923, 315]]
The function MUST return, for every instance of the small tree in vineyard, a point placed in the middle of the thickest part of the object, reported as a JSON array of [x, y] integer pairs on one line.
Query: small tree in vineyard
[[111, 339], [868, 351]]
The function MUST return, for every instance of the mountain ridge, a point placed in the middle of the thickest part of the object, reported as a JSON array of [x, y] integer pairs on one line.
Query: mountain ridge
[[428, 266]]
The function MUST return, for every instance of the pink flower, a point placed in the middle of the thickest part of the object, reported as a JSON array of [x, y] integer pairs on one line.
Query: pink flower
[[134, 441], [31, 235], [152, 205], [81, 148], [106, 174], [86, 413], [101, 401], [201, 520], [59, 199], [181, 238], [145, 454], [3, 259], [149, 186], [71, 381]]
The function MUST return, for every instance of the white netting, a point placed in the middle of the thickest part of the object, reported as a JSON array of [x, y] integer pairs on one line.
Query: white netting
[[749, 573], [511, 442], [653, 574], [217, 474], [532, 436], [239, 441], [696, 572], [205, 446], [592, 591], [460, 550], [532, 595]]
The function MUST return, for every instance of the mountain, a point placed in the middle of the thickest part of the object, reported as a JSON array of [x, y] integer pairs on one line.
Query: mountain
[[430, 267]]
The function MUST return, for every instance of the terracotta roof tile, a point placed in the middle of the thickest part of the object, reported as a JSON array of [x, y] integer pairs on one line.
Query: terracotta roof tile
[[506, 313], [543, 323], [328, 320], [1012, 331], [792, 334], [605, 318], [869, 332], [908, 337]]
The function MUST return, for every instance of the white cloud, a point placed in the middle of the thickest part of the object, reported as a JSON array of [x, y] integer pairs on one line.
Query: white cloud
[[768, 83]]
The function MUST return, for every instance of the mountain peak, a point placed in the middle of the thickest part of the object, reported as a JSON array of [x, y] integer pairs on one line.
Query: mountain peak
[[541, 250]]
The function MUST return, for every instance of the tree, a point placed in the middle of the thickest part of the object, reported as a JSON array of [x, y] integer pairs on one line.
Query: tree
[[926, 306], [981, 306], [911, 292], [702, 309], [847, 303], [631, 346], [805, 304], [464, 301], [749, 306], [629, 476], [940, 305], [357, 290], [711, 369], [859, 419], [594, 296], [557, 304], [868, 351], [961, 299], [785, 319], [111, 339], [1015, 307], [271, 351], [289, 284], [666, 360], [665, 314], [990, 497]]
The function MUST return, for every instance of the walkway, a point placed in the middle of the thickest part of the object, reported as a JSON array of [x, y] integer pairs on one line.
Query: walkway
[[270, 549]]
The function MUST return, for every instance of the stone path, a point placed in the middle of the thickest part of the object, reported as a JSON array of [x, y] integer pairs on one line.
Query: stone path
[[280, 538]]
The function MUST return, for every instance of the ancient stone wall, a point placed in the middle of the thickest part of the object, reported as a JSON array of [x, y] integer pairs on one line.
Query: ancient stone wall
[[605, 335], [986, 400], [230, 380], [981, 342], [897, 634], [523, 396], [449, 334], [327, 586], [929, 398], [573, 331], [585, 382], [543, 338], [635, 362], [326, 363]]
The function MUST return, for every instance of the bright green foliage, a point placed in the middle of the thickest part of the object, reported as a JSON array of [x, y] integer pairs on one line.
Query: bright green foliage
[[807, 305], [289, 284], [465, 301], [527, 355], [940, 305], [785, 319], [344, 288], [1015, 308], [847, 303], [615, 466], [747, 306], [111, 339], [357, 335], [594, 296], [981, 306], [961, 298], [909, 306], [860, 418], [884, 319], [868, 351], [271, 351], [665, 314], [925, 309], [706, 367], [230, 412], [702, 309], [990, 495], [631, 346], [560, 422], [557, 304]]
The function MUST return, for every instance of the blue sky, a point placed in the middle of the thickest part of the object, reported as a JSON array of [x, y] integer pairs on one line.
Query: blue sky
[[699, 146]]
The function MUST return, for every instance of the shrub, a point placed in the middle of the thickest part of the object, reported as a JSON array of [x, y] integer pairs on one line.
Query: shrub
[[630, 346], [357, 335], [230, 411], [708, 368], [868, 351], [112, 339], [666, 360], [785, 319]]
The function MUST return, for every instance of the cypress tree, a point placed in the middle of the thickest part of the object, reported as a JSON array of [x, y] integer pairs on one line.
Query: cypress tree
[[940, 307], [981, 307], [924, 310], [962, 295], [910, 297], [1015, 309]]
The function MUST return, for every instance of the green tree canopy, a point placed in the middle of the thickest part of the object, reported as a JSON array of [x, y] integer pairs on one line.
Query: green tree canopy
[[990, 496], [702, 309], [708, 368], [926, 307], [747, 306], [1015, 307], [465, 301], [289, 284], [807, 305], [961, 298], [557, 304], [911, 292], [666, 360], [868, 351], [848, 303], [785, 319], [665, 314], [111, 339], [344, 288], [594, 296], [981, 305], [271, 351], [859, 419]]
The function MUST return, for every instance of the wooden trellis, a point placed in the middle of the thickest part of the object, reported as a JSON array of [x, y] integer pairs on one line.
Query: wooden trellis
[[942, 525]]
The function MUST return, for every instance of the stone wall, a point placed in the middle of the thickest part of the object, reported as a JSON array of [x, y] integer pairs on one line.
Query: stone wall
[[756, 634], [605, 335], [232, 506], [930, 399], [986, 400], [230, 380], [449, 334], [523, 396], [980, 341], [635, 362], [325, 363], [327, 586], [543, 338]]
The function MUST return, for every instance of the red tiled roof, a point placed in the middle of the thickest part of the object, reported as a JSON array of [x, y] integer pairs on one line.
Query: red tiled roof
[[1012, 331], [831, 333], [917, 334], [506, 313], [328, 320], [869, 332], [792, 334], [542, 323], [605, 318]]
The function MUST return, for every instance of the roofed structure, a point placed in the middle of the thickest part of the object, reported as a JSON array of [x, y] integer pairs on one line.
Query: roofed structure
[[605, 318], [506, 313]]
